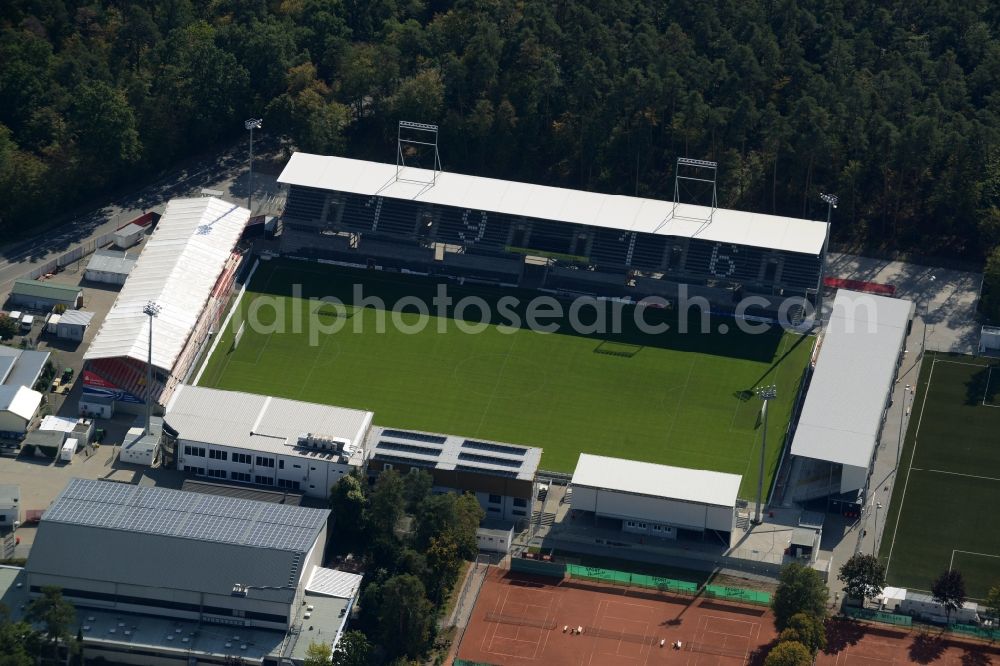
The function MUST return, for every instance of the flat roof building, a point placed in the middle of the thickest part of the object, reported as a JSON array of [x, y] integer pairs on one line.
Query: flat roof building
[[248, 438], [109, 267], [849, 392], [655, 499], [500, 475], [39, 295], [160, 574]]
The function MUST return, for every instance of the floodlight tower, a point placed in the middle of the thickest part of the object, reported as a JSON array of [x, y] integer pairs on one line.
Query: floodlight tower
[[831, 202], [151, 310], [251, 124], [767, 394]]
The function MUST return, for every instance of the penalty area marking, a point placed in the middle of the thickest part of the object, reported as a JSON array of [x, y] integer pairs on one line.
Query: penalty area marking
[[951, 563], [968, 476]]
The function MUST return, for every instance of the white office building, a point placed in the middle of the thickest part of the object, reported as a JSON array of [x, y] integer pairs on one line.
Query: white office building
[[256, 439]]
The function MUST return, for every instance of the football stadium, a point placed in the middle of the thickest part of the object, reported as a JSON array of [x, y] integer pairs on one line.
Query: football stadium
[[380, 242], [949, 478]]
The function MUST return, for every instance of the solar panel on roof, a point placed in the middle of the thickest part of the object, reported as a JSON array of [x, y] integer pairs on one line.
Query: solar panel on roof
[[416, 436], [490, 446], [489, 460], [484, 470], [187, 515]]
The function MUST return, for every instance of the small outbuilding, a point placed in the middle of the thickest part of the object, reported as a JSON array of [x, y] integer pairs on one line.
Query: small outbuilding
[[128, 236], [495, 536], [10, 506], [73, 324], [109, 267], [39, 295], [656, 500], [139, 448], [18, 406]]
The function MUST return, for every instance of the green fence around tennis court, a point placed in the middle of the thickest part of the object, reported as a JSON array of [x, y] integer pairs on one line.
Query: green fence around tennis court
[[627, 579], [737, 594], [985, 633], [879, 616], [537, 567], [465, 662]]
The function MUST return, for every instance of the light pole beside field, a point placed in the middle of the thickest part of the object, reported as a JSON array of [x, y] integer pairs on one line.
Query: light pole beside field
[[151, 310], [766, 393], [923, 340], [251, 124], [878, 505]]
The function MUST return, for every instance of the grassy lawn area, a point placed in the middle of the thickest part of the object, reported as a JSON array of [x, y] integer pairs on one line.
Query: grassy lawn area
[[950, 479], [675, 398]]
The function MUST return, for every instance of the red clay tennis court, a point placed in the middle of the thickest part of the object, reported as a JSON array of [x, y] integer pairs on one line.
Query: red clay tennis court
[[524, 619], [527, 620]]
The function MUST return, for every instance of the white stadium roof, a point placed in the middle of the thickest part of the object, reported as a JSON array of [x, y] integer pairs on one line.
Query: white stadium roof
[[177, 270], [842, 414], [555, 203], [643, 478]]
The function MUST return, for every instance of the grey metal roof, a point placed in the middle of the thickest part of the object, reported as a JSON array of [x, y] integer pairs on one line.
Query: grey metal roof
[[842, 413], [174, 539], [28, 366], [77, 317], [451, 452], [259, 422], [333, 583], [108, 261], [242, 492]]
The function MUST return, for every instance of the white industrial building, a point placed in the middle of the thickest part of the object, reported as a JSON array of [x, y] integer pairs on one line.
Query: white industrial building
[[247, 438], [187, 268], [500, 475], [921, 606], [10, 506], [838, 431], [128, 236], [161, 576], [109, 267], [73, 324], [18, 406], [655, 500]]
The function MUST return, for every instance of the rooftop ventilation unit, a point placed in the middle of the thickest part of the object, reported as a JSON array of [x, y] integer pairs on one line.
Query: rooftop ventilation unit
[[321, 442]]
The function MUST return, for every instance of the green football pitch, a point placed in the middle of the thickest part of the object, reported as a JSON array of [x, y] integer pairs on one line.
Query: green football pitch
[[676, 398], [949, 482]]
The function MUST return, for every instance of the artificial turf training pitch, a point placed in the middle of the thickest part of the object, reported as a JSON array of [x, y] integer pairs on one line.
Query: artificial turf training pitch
[[674, 398], [949, 479]]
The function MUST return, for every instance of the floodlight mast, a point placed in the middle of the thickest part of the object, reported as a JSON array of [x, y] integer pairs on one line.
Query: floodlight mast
[[766, 393], [151, 310], [831, 202], [683, 172], [416, 134], [251, 124]]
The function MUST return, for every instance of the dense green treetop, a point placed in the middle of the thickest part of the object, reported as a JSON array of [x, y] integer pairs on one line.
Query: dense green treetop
[[893, 104]]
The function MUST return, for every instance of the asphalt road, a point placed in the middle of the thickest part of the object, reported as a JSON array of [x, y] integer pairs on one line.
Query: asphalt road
[[227, 171]]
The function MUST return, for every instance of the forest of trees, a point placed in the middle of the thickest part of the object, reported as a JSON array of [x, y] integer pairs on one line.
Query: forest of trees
[[892, 104]]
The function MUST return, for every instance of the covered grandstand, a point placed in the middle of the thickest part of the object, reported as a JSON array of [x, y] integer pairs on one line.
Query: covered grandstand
[[366, 213], [837, 435], [187, 268]]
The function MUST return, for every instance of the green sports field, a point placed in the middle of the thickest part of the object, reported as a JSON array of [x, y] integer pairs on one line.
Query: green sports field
[[943, 509], [675, 398]]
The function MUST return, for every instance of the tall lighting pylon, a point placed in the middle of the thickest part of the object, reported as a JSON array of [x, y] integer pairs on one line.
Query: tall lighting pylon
[[765, 393], [151, 310]]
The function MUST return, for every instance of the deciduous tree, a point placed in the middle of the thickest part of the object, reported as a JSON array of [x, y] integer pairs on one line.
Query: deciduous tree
[[863, 576]]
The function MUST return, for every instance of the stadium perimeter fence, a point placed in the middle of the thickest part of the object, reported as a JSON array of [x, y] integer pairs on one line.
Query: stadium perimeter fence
[[899, 620], [637, 580], [884, 617]]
